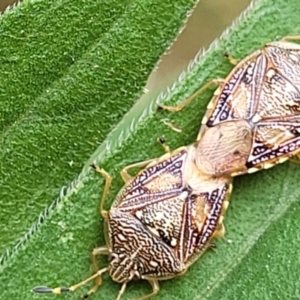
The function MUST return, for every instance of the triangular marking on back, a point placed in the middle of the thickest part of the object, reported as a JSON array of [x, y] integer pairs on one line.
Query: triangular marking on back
[[154, 184], [239, 96]]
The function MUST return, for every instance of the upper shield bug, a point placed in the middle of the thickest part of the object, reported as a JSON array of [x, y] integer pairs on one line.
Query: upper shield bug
[[165, 217], [253, 120]]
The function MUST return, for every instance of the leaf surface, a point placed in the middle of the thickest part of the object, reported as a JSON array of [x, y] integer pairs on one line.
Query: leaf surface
[[261, 222]]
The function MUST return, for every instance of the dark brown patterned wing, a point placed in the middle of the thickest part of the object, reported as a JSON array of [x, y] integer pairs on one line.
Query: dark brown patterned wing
[[285, 57], [238, 98], [161, 180], [276, 124], [275, 140], [264, 92], [203, 219]]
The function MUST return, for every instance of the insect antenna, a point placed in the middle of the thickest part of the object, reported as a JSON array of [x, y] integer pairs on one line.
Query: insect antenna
[[60, 290]]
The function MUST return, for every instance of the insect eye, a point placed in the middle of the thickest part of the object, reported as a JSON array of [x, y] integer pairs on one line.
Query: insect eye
[[137, 274], [136, 277], [193, 197], [111, 257]]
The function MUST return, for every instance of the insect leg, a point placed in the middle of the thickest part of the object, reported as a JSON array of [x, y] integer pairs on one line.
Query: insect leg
[[124, 172], [162, 141], [122, 290], [231, 59], [108, 180], [192, 97], [171, 125], [59, 290], [295, 158], [97, 251], [220, 231], [155, 289], [212, 246], [291, 38]]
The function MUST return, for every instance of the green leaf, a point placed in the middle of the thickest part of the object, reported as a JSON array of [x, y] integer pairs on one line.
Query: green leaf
[[250, 262], [69, 70]]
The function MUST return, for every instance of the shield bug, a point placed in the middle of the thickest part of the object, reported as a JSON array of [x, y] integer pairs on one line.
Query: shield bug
[[253, 120], [161, 221]]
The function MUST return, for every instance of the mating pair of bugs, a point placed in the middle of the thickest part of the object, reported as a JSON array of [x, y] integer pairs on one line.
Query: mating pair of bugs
[[166, 216]]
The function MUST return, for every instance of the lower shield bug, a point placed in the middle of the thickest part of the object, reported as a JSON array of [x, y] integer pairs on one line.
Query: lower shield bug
[[162, 220]]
